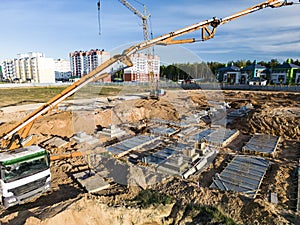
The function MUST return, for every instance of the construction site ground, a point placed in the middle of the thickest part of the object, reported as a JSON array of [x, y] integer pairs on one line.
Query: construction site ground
[[275, 113]]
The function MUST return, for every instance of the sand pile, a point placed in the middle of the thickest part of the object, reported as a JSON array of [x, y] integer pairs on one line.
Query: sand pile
[[59, 124], [134, 111], [88, 211], [241, 210], [282, 121], [275, 113]]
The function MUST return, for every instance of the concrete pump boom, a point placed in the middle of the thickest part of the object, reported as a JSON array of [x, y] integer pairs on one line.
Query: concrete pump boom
[[18, 135]]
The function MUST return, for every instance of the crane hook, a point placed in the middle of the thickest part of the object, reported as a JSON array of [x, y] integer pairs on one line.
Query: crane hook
[[99, 18]]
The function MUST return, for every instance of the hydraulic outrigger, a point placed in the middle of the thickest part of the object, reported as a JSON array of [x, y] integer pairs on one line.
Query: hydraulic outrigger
[[17, 136]]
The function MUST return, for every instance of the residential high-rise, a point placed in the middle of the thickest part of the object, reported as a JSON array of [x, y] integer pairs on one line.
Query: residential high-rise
[[8, 70], [1, 74], [62, 70], [32, 67], [139, 72], [83, 63]]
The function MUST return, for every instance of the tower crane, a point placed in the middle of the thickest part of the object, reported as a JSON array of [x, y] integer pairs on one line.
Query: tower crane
[[145, 16]]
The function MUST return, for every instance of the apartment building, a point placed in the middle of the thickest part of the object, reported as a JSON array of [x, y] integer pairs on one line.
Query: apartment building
[[62, 70], [1, 74], [139, 72], [8, 70], [83, 62], [32, 67]]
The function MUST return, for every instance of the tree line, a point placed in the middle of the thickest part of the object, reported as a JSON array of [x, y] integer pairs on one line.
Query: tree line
[[208, 71]]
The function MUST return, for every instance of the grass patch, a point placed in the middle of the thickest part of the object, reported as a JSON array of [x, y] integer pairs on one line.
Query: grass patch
[[151, 197], [29, 95], [208, 215], [21, 96]]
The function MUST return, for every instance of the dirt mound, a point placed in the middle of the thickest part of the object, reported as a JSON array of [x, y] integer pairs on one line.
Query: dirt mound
[[240, 209], [136, 110], [275, 113], [59, 124], [201, 100], [89, 211], [282, 121]]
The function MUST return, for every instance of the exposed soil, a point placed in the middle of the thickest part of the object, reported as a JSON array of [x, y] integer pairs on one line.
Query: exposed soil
[[67, 203]]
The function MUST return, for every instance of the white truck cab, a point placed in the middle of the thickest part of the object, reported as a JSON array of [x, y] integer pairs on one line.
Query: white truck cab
[[24, 174]]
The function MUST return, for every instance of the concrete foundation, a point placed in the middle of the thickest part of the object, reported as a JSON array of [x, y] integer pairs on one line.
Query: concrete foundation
[[56, 142], [112, 132], [243, 174], [219, 137], [262, 144], [91, 181], [82, 137]]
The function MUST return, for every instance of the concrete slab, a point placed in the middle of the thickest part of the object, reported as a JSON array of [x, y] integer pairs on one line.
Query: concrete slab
[[243, 174], [262, 144], [274, 198], [56, 142], [164, 131], [112, 132], [91, 181], [82, 137]]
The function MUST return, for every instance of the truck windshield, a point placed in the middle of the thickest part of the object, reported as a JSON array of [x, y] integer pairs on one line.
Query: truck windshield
[[24, 169]]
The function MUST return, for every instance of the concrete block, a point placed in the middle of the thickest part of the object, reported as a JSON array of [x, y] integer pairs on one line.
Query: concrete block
[[56, 142], [91, 181], [82, 137], [112, 132]]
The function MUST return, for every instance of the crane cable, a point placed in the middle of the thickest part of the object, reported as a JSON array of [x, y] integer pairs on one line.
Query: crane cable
[[151, 33], [99, 18], [139, 3]]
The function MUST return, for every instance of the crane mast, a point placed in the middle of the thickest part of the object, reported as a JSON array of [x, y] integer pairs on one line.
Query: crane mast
[[17, 136], [153, 82]]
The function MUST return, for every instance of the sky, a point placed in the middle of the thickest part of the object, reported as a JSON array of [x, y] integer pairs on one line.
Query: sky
[[58, 27]]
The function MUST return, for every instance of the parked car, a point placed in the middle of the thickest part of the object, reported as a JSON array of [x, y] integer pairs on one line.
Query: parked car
[[258, 81]]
